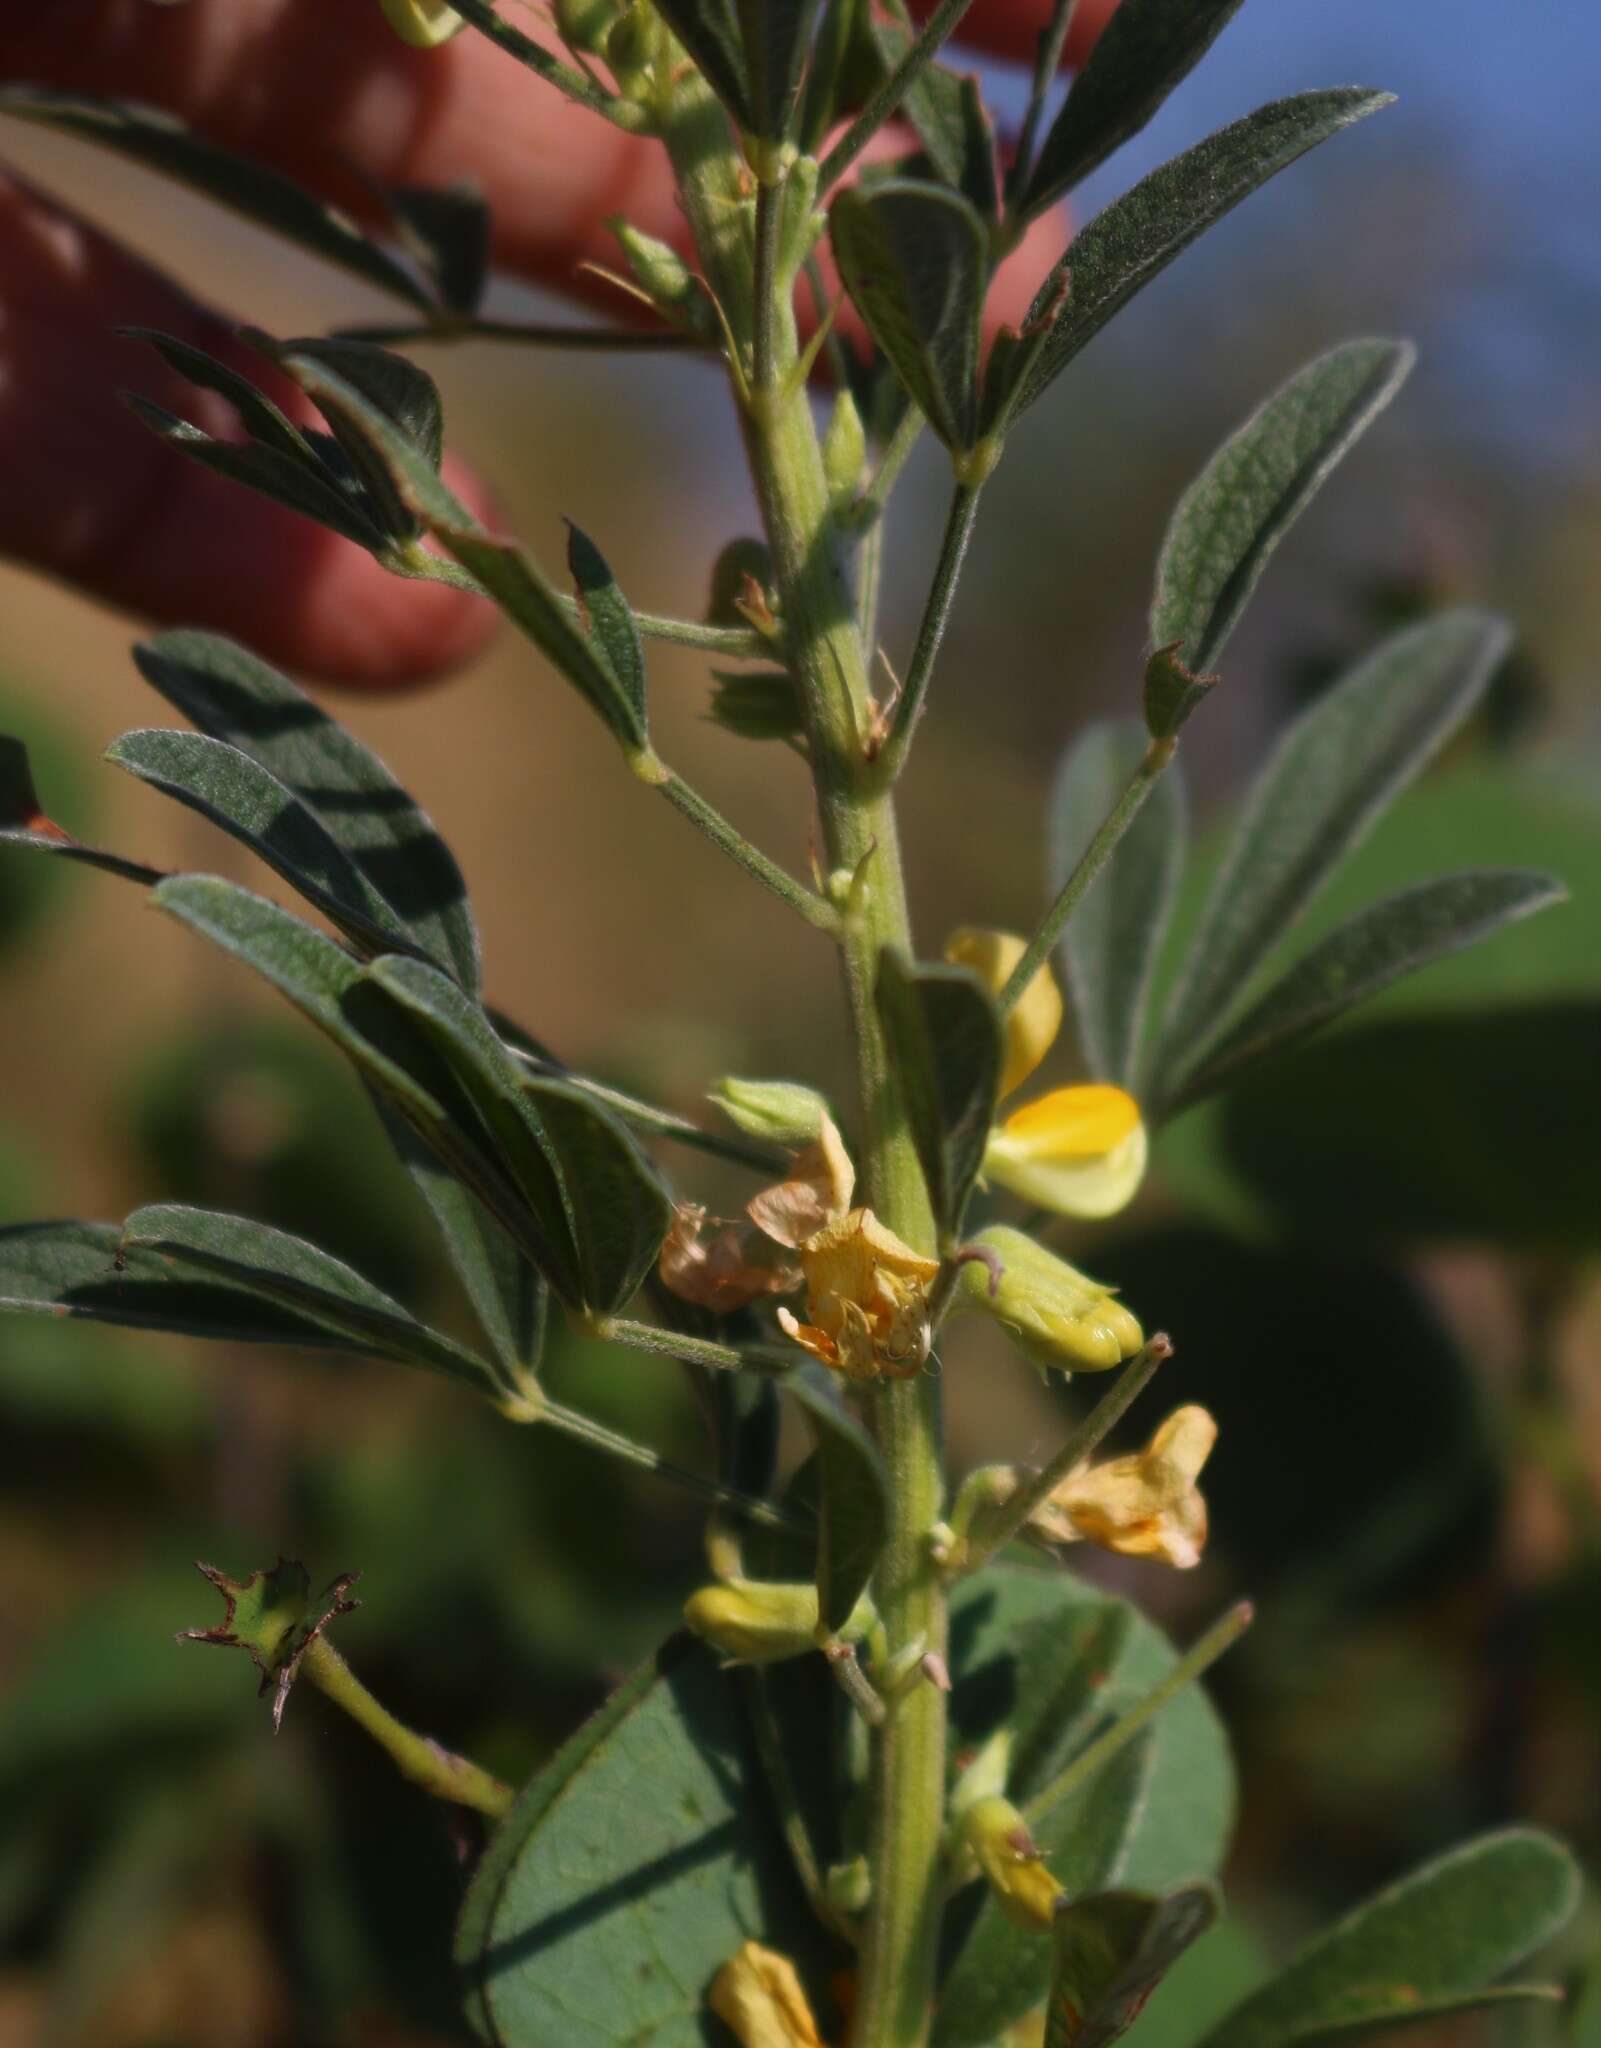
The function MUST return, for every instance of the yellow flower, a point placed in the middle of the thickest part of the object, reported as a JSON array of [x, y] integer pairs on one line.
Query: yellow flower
[[422, 23], [1147, 1505], [1080, 1151], [1018, 1875], [1058, 1315], [867, 1300], [759, 1998], [866, 1304]]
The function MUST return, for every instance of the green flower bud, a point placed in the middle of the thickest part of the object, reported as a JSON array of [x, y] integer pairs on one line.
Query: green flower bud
[[850, 1885], [1063, 1320], [784, 1111], [628, 50], [659, 271], [755, 1623], [844, 451], [586, 24], [422, 23], [1024, 1888]]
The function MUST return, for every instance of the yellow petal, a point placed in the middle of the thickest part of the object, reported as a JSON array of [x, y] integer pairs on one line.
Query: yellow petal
[[1035, 1020], [1146, 1505], [1080, 1151], [759, 1997], [816, 1191]]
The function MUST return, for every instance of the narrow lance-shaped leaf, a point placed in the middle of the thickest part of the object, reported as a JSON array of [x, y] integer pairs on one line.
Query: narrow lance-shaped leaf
[[853, 1498], [915, 261], [249, 802], [23, 821], [158, 140], [776, 35], [1146, 49], [1258, 484], [307, 1282], [1112, 1949], [1433, 1941], [1139, 235], [945, 1037], [233, 696], [1333, 772], [1378, 946], [711, 31], [1113, 937], [448, 230], [504, 568]]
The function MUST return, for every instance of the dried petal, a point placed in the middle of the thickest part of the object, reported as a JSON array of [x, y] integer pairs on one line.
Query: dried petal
[[720, 1274], [816, 1191]]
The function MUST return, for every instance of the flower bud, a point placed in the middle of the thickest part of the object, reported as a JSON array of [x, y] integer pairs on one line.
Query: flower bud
[[998, 1837], [422, 23], [743, 562], [759, 1998], [1036, 1017], [585, 24], [1058, 1315], [754, 1622], [659, 271], [850, 1885], [787, 1112], [844, 451], [628, 51]]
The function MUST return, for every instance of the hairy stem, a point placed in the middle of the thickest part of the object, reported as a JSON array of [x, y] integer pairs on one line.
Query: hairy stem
[[931, 633]]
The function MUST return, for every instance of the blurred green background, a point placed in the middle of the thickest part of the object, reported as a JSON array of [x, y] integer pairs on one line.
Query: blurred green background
[[1378, 1261]]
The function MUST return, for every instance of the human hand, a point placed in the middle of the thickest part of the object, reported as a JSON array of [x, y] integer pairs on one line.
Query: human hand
[[93, 498]]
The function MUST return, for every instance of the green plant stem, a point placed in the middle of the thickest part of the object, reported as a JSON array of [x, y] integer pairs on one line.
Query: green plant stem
[[765, 1358], [1008, 1520], [528, 334], [626, 114], [858, 828], [730, 840], [1221, 1636], [869, 507], [924, 49], [415, 1756], [585, 1430], [930, 634], [764, 288], [1094, 857], [1047, 61]]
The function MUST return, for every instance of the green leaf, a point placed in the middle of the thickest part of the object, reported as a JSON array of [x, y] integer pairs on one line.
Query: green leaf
[[777, 35], [395, 388], [1172, 693], [1258, 484], [231, 695], [158, 140], [945, 1037], [712, 32], [1146, 49], [303, 486], [1433, 1940], [1113, 937], [1377, 947], [1055, 1661], [1138, 236], [915, 259], [580, 1171], [631, 1870], [82, 1270], [947, 112], [1112, 1950], [248, 801], [1334, 771], [448, 231], [853, 1498], [606, 615], [288, 1273], [504, 568], [23, 821]]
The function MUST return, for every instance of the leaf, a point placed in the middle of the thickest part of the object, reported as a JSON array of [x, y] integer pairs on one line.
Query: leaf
[[1333, 772], [447, 229], [1112, 1950], [72, 1269], [309, 1283], [1258, 484], [1113, 937], [777, 35], [945, 1036], [914, 259], [1139, 235], [1434, 1940], [711, 31], [578, 1169], [1055, 1661], [1145, 50], [1381, 944], [607, 616], [400, 393], [1172, 693], [631, 1869], [231, 695], [251, 804], [504, 568], [23, 821], [946, 111], [158, 140], [853, 1498]]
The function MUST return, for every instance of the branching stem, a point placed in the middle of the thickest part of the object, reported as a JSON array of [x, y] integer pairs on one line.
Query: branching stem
[[931, 633], [924, 49]]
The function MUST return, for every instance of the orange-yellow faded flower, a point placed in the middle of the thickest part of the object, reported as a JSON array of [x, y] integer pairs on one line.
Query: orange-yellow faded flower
[[1145, 1505], [816, 1191], [1019, 1876], [1080, 1151], [720, 1273], [1036, 1017], [866, 1299], [759, 1998]]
